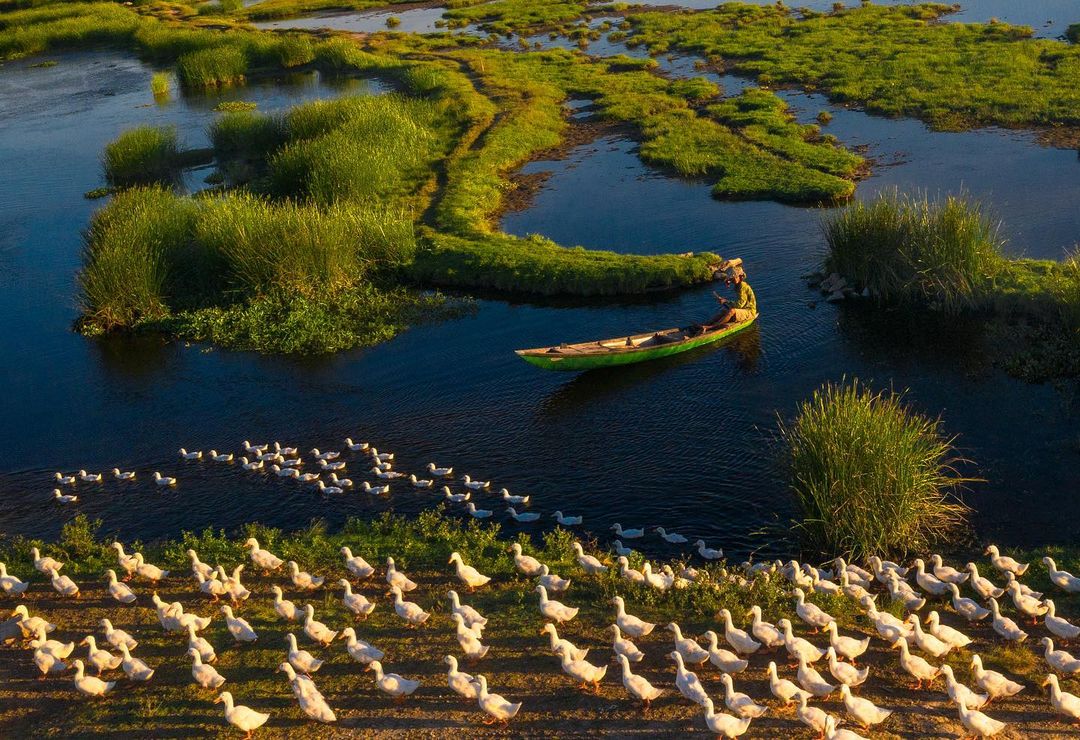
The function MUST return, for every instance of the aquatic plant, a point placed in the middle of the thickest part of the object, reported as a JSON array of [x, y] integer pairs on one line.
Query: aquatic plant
[[212, 67], [869, 475], [908, 249], [245, 134], [142, 155], [160, 84]]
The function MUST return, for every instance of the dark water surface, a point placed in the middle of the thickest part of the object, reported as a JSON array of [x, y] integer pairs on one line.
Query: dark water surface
[[684, 443]]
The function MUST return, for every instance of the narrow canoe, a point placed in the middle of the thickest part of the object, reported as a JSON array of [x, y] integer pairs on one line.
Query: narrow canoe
[[625, 350]]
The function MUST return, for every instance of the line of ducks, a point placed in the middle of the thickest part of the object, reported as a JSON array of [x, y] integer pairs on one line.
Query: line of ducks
[[285, 462], [842, 653]]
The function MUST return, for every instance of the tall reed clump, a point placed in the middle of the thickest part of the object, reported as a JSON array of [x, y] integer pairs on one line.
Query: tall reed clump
[[142, 156], [159, 84], [908, 249], [869, 475], [212, 67], [130, 246]]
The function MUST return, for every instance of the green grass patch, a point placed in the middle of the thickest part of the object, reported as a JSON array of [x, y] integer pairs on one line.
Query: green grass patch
[[869, 475], [142, 156], [160, 84], [507, 16], [213, 67], [909, 249], [235, 106]]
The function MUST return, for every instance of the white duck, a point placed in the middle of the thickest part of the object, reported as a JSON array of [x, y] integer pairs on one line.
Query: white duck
[[927, 642], [341, 483], [1060, 626], [164, 481], [193, 455], [628, 573], [469, 641], [285, 608], [1004, 626], [742, 705], [1063, 579], [724, 725], [944, 632], [621, 550], [90, 685], [811, 613], [846, 647], [813, 681], [356, 564], [98, 659], [64, 585], [439, 472], [624, 646], [392, 683], [725, 660], [1061, 661], [627, 534], [200, 645], [359, 650], [63, 498], [967, 608], [475, 485], [739, 639], [765, 632], [476, 513], [11, 584], [238, 626], [555, 610], [239, 716], [977, 723], [916, 666], [356, 446], [511, 498], [494, 705], [560, 646], [945, 573], [264, 560], [845, 673], [459, 682], [248, 465], [224, 457], [467, 574], [135, 668], [53, 647], [687, 681], [863, 711], [328, 455], [355, 603], [527, 564], [119, 591], [672, 537], [47, 662], [583, 671], [812, 717], [687, 647], [834, 733], [44, 564], [1004, 563], [29, 625], [961, 694], [928, 582], [552, 582], [299, 659], [797, 647], [197, 566], [993, 683], [232, 583], [64, 480], [317, 631], [984, 587], [1062, 701], [783, 689], [525, 517], [707, 552], [473, 619], [637, 686], [304, 580], [149, 571], [309, 697], [1030, 607], [395, 577], [567, 521], [410, 611], [628, 623], [90, 477], [117, 637]]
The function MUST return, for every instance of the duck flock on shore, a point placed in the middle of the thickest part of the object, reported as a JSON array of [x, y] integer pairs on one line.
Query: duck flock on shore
[[827, 667]]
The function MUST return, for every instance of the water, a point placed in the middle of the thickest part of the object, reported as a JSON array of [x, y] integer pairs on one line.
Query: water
[[683, 443], [411, 20]]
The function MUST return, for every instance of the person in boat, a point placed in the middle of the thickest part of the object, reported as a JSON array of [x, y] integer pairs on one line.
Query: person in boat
[[744, 307]]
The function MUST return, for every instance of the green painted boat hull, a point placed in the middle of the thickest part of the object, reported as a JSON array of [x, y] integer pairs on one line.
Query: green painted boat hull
[[552, 361]]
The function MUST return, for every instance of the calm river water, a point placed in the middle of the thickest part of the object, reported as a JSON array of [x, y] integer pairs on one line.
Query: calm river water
[[685, 443]]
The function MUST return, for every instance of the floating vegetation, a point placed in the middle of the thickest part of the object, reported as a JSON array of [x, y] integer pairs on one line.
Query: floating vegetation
[[869, 475], [235, 106]]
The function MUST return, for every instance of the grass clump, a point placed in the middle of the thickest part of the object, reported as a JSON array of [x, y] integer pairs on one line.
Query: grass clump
[[160, 84], [910, 250], [212, 67], [142, 155], [869, 475]]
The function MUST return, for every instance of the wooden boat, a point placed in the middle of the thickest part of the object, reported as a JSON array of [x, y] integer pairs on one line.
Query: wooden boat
[[626, 350]]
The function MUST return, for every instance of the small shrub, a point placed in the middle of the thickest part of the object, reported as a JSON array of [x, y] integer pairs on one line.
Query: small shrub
[[143, 155], [869, 475]]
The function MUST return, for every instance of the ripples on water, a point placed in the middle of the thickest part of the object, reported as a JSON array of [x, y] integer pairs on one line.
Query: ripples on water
[[685, 442]]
